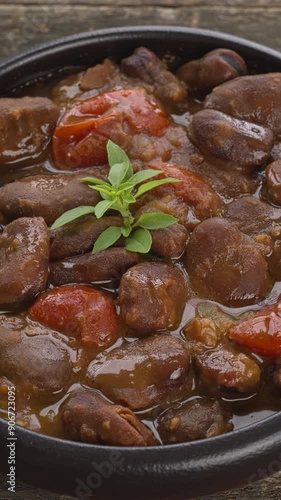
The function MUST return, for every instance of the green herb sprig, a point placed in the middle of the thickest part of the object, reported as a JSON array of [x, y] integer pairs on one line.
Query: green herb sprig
[[123, 189]]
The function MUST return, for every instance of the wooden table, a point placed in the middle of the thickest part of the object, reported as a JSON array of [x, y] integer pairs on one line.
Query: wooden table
[[24, 23]]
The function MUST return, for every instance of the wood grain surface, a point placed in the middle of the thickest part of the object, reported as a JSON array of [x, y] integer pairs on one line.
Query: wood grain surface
[[24, 23]]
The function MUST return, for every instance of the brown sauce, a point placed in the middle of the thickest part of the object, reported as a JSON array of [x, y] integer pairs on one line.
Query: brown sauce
[[41, 413]]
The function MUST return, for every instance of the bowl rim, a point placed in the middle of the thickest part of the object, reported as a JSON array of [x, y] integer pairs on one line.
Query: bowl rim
[[134, 30], [31, 55], [206, 455]]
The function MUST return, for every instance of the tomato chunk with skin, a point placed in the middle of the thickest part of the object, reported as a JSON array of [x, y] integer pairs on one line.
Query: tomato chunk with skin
[[78, 311], [194, 190], [81, 136], [262, 332], [191, 188]]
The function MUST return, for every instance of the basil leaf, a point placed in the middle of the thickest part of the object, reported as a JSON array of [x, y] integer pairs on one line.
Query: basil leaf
[[95, 180], [117, 173], [102, 207], [153, 184], [140, 241], [71, 215], [128, 198], [118, 194], [155, 220], [144, 175], [101, 189], [126, 231], [125, 186], [104, 191], [116, 155], [107, 238]]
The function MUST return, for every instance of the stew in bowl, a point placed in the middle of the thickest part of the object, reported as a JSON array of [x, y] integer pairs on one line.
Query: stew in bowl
[[140, 272], [141, 250]]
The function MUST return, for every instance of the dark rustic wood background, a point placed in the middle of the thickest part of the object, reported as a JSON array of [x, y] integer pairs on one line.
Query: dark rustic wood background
[[24, 23]]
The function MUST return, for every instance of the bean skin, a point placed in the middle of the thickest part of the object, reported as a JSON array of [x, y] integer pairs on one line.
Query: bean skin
[[24, 260], [38, 363], [144, 373], [218, 135], [110, 264], [254, 98], [152, 297], [195, 419], [88, 417], [273, 182], [214, 68], [225, 265], [145, 65]]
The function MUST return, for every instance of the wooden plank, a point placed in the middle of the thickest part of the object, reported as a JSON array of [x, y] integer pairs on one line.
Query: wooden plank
[[24, 26], [268, 489], [166, 3], [27, 492]]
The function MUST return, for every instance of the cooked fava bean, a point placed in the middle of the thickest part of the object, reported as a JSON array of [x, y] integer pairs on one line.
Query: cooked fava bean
[[196, 419], [254, 98], [110, 264], [252, 216], [170, 242], [143, 373], [79, 236], [98, 76], [216, 67], [152, 296], [273, 182], [88, 417], [24, 259], [146, 66], [48, 196], [36, 363], [225, 368], [26, 126], [226, 265], [226, 181], [229, 139]]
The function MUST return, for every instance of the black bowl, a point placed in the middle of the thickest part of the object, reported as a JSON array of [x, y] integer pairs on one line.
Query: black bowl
[[176, 471]]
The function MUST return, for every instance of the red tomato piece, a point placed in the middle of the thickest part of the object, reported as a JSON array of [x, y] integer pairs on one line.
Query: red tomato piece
[[262, 332], [81, 136], [78, 311], [192, 189]]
